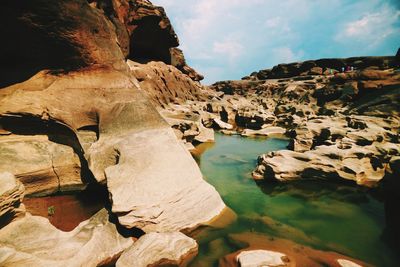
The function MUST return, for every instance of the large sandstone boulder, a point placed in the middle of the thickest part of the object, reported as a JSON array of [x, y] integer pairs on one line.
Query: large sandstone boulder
[[133, 150], [33, 241], [159, 249]]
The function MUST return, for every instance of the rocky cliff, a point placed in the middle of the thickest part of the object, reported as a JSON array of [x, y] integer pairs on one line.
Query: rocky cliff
[[77, 111]]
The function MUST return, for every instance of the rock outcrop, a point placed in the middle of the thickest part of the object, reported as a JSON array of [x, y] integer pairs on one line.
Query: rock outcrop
[[343, 125], [159, 249], [74, 114], [178, 60], [320, 66], [80, 36], [165, 84], [11, 196], [33, 241]]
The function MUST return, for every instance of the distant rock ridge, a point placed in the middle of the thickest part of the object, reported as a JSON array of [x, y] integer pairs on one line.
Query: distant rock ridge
[[323, 66]]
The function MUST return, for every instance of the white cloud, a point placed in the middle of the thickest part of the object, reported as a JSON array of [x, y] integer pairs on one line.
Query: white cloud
[[372, 28], [227, 39], [286, 55]]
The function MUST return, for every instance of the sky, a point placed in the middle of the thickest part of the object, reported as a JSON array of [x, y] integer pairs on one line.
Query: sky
[[229, 39]]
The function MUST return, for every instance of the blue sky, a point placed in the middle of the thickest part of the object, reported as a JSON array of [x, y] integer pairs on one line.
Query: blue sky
[[228, 39]]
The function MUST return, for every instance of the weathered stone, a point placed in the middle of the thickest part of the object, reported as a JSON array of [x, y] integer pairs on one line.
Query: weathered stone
[[159, 249], [11, 196], [178, 61], [146, 190], [268, 131], [169, 197], [279, 252], [44, 167], [165, 84], [80, 36], [256, 258], [33, 241], [219, 124]]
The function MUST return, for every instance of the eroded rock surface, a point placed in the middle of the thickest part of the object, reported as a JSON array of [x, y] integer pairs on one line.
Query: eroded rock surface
[[159, 249], [166, 84], [11, 196], [33, 241], [255, 258], [87, 119], [341, 125]]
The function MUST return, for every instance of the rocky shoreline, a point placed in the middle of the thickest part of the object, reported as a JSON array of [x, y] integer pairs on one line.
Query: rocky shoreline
[[103, 97]]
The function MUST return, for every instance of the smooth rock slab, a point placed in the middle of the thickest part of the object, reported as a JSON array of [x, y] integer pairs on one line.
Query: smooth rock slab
[[44, 167], [154, 249], [33, 241], [155, 184], [268, 131], [256, 258]]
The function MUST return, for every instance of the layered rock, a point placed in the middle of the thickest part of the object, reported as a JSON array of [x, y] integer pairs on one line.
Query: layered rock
[[320, 66], [11, 196], [168, 196], [86, 119], [178, 60], [33, 241], [159, 249], [80, 37], [341, 126], [145, 33], [165, 84], [43, 166]]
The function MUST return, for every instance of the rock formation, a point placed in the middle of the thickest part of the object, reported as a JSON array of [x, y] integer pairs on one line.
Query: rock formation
[[74, 114], [159, 249], [11, 196], [33, 241], [341, 125], [260, 250]]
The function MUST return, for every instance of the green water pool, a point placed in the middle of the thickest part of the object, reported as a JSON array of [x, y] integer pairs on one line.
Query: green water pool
[[326, 216]]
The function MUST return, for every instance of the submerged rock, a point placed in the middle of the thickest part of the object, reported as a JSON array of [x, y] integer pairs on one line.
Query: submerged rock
[[260, 249], [256, 258]]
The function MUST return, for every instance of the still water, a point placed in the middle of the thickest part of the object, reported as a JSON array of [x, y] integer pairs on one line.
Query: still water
[[326, 216]]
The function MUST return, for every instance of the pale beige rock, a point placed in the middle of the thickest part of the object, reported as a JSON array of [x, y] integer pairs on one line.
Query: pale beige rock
[[155, 249], [158, 186], [257, 258], [155, 184], [44, 167], [33, 241], [268, 131], [222, 125], [11, 196], [347, 263], [165, 84]]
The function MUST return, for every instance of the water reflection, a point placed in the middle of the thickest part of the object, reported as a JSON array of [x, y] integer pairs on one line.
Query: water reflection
[[329, 216]]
